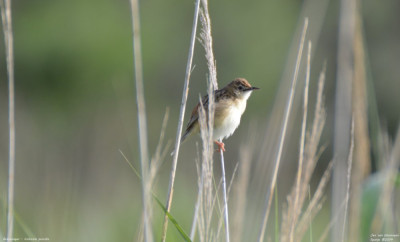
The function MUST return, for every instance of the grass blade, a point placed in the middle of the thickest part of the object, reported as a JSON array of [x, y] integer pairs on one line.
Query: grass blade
[[173, 220]]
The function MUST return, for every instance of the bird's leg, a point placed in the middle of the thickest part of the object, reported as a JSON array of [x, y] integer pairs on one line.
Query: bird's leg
[[221, 146]]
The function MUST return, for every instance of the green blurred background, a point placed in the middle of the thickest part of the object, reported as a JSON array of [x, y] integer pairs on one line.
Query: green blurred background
[[75, 99]]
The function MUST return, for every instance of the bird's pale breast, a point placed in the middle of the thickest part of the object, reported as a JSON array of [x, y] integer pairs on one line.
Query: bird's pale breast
[[227, 117]]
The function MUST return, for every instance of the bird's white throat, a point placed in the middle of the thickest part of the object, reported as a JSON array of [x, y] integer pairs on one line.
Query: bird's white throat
[[246, 95], [232, 120]]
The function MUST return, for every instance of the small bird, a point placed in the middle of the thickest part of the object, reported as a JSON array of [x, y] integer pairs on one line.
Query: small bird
[[230, 103]]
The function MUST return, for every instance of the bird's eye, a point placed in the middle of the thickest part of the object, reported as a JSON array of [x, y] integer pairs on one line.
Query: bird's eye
[[241, 88]]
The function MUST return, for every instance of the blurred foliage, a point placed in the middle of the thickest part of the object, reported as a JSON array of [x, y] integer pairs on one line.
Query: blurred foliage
[[371, 197]]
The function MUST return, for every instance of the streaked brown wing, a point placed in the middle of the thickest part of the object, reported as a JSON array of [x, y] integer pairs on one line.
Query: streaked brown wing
[[218, 94]]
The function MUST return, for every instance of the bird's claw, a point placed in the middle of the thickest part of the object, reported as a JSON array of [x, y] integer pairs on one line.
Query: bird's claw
[[221, 146]]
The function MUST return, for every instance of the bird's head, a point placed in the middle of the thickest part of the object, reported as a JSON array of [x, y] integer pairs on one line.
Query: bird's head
[[241, 88]]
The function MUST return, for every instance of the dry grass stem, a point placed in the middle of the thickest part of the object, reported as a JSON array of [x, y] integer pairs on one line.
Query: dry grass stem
[[9, 44], [196, 209], [226, 214], [312, 142], [362, 150], [206, 41], [312, 153], [343, 108], [160, 153], [140, 236], [290, 218], [349, 167], [331, 223], [246, 153], [296, 210], [315, 202], [155, 164], [181, 119], [207, 175], [224, 208], [282, 136], [235, 170], [269, 143], [142, 122]]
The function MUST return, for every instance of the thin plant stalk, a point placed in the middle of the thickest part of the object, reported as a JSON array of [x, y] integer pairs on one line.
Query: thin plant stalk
[[8, 39], [283, 134], [213, 85], [241, 187], [343, 108], [362, 127], [302, 141], [228, 190], [198, 205], [314, 203], [207, 42], [277, 237], [349, 166], [310, 217], [196, 208], [311, 156], [195, 217], [331, 224], [159, 155], [181, 119], [226, 216], [208, 198], [142, 123]]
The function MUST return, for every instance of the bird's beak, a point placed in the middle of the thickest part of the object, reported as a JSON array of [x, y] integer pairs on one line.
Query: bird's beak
[[253, 88]]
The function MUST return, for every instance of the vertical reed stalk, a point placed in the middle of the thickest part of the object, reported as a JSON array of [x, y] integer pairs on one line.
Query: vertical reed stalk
[[8, 39], [343, 109], [283, 135], [226, 216], [197, 206], [349, 166], [362, 149], [142, 123], [213, 85], [181, 119], [241, 187]]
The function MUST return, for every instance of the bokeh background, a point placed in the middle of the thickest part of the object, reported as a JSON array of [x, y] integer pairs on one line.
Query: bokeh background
[[75, 100]]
